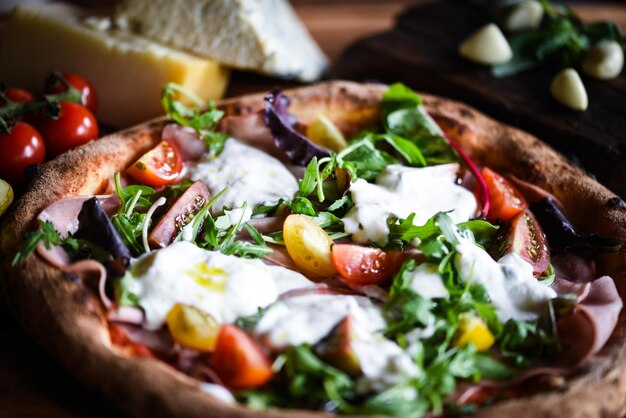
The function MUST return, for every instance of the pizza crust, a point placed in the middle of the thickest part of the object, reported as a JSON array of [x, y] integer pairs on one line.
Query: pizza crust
[[67, 320]]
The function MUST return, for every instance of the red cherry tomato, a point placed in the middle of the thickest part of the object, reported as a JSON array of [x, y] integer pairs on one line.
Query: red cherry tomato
[[158, 167], [20, 148], [506, 200], [239, 361], [365, 265], [75, 126], [16, 94], [90, 98]]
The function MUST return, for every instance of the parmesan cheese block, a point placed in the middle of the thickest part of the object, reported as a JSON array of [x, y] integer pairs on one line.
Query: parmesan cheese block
[[127, 71], [261, 35]]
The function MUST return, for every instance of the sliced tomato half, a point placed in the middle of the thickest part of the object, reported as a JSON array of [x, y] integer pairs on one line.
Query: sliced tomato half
[[160, 166], [365, 265], [527, 239], [506, 201], [239, 361], [179, 215]]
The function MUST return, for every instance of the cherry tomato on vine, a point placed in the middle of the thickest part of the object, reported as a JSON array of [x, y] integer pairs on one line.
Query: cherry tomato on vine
[[160, 166], [16, 94], [90, 97], [20, 148], [75, 126]]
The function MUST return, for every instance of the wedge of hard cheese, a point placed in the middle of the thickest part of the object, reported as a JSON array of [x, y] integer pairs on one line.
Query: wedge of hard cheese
[[261, 35], [127, 71]]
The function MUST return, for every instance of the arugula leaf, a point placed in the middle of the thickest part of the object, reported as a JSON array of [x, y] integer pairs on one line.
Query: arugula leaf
[[47, 234], [482, 232], [407, 149], [123, 293], [362, 159], [247, 323], [492, 369], [132, 196], [220, 234], [399, 96], [401, 401], [130, 228], [203, 122], [405, 309]]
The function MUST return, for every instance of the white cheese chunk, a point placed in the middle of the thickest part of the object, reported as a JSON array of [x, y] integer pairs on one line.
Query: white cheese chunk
[[247, 174], [513, 290], [128, 72], [262, 35], [224, 286], [400, 191]]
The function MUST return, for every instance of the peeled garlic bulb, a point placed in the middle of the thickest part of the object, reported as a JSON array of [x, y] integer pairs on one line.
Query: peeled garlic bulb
[[604, 60], [486, 46], [526, 15], [568, 89]]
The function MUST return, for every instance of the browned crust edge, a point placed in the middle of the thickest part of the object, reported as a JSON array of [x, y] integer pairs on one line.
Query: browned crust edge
[[64, 318]]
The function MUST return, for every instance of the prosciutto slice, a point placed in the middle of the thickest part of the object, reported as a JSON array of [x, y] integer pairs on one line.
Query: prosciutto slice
[[583, 333], [64, 216], [187, 139]]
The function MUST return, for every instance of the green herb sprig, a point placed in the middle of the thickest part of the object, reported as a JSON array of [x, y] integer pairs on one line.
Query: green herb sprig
[[203, 121], [47, 234]]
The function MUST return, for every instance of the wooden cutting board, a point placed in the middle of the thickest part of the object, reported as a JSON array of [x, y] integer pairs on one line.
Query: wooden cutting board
[[421, 51]]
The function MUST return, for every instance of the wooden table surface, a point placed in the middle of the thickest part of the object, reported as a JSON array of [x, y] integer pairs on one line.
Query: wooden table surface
[[32, 384]]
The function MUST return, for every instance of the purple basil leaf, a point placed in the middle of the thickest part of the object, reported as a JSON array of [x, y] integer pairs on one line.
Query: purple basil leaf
[[561, 233], [96, 227], [281, 123]]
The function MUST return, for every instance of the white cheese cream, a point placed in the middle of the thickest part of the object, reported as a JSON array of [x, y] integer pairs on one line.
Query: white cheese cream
[[310, 318], [224, 286], [512, 288], [426, 281], [248, 175], [400, 191]]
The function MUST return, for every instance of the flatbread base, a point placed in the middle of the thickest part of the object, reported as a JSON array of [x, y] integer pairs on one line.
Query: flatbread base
[[67, 320]]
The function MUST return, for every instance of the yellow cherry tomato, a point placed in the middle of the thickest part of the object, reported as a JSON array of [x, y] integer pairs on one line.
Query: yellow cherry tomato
[[6, 196], [192, 327], [323, 132], [472, 329], [308, 245]]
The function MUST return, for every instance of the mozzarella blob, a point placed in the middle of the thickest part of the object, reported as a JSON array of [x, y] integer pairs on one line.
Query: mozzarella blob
[[512, 288], [225, 286], [400, 191], [247, 175]]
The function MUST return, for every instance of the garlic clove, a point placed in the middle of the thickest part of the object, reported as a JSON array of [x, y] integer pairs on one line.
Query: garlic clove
[[526, 15], [486, 46], [568, 89], [604, 60]]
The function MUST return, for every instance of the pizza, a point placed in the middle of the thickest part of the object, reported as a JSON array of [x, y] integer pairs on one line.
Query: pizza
[[340, 248]]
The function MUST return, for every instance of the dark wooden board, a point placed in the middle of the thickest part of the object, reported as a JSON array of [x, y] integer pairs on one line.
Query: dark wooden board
[[421, 51]]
